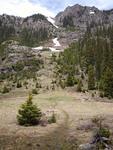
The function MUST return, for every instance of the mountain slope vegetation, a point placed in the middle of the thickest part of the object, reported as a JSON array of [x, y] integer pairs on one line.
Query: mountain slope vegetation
[[94, 49]]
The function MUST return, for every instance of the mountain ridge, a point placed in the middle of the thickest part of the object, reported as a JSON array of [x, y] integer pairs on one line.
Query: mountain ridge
[[36, 27], [68, 25], [83, 15]]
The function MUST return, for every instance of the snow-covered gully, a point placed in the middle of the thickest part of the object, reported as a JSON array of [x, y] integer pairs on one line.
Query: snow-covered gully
[[53, 49], [56, 45], [56, 42], [51, 20]]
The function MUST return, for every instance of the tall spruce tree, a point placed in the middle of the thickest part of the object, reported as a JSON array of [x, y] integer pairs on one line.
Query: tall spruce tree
[[70, 80], [91, 78], [108, 83]]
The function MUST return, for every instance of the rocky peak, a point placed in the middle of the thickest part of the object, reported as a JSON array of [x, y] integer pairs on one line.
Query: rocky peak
[[10, 20], [36, 21], [80, 16]]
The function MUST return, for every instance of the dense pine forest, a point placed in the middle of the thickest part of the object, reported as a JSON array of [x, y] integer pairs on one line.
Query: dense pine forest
[[22, 30], [91, 58]]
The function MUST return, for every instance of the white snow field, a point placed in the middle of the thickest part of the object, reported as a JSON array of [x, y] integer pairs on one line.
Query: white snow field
[[56, 42], [38, 48], [92, 12], [50, 19], [52, 49]]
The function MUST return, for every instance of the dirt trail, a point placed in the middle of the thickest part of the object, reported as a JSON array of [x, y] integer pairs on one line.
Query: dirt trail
[[57, 139]]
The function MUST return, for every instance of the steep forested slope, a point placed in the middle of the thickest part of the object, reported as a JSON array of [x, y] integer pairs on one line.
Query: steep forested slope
[[90, 58], [28, 31]]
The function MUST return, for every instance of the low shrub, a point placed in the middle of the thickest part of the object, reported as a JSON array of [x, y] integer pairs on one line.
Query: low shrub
[[52, 119], [79, 86], [104, 132], [5, 90], [62, 84], [101, 94], [101, 137], [34, 91], [93, 95], [38, 85], [19, 84]]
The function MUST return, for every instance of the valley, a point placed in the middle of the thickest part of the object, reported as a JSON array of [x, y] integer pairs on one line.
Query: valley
[[75, 112], [56, 80]]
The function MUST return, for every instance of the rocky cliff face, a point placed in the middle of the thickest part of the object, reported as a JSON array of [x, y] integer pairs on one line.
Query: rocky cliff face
[[10, 20], [74, 20], [80, 16]]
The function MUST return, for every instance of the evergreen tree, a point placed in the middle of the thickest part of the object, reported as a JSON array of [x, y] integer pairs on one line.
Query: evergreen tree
[[79, 86], [68, 22], [52, 119], [95, 49], [70, 80], [108, 83], [91, 78], [29, 114]]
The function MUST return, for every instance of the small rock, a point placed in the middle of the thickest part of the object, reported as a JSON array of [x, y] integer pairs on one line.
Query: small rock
[[87, 146]]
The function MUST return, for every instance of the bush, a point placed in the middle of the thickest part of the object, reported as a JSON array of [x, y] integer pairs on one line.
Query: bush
[[25, 83], [29, 114], [79, 86], [19, 84], [71, 80], [34, 91], [101, 135], [52, 119], [38, 85], [62, 84], [83, 90], [82, 76], [104, 132], [97, 120], [93, 95], [19, 66], [5, 90], [101, 94]]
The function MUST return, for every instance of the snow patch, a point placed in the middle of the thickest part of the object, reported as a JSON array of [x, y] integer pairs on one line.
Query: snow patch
[[51, 20], [38, 48], [56, 42], [92, 12], [54, 49]]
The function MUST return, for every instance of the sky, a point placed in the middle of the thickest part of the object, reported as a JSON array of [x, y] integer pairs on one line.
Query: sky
[[25, 8]]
